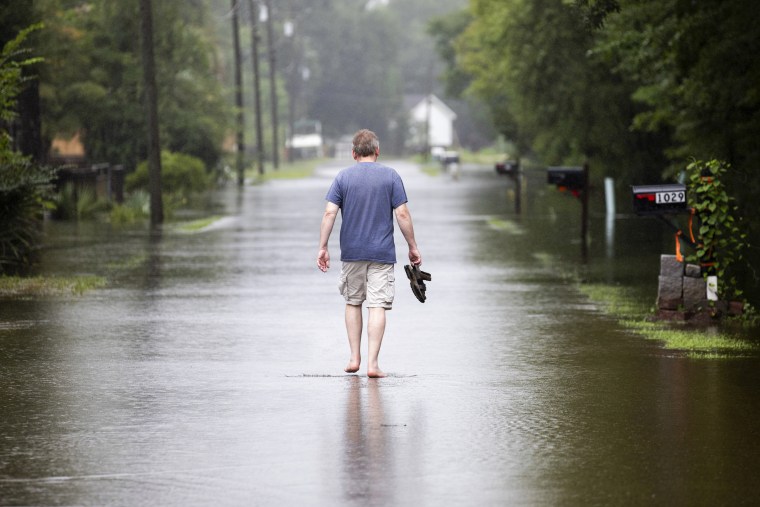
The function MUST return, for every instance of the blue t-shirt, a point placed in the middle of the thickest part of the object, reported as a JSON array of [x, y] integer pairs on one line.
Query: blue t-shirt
[[367, 193]]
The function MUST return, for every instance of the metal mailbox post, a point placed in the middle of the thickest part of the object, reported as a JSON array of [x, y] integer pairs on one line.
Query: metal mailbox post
[[511, 169], [575, 180]]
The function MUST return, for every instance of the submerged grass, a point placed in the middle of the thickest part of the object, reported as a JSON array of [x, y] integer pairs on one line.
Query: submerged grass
[[633, 315], [197, 225], [508, 226], [19, 287], [288, 171]]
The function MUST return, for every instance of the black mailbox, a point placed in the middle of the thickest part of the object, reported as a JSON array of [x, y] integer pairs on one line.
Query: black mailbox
[[659, 199], [450, 157], [508, 168], [570, 178]]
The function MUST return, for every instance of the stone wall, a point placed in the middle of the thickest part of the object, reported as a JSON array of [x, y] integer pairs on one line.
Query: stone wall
[[682, 294]]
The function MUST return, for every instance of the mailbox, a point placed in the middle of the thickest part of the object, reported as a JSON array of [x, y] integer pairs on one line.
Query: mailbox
[[508, 168], [450, 157], [659, 199], [570, 178]]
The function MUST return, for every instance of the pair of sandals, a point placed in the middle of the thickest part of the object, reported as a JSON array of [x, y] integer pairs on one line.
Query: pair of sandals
[[417, 279]]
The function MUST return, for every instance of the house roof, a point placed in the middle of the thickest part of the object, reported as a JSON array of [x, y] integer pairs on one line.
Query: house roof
[[412, 102]]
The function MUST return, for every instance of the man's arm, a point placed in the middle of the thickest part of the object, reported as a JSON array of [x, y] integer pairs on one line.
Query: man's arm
[[328, 220], [404, 219]]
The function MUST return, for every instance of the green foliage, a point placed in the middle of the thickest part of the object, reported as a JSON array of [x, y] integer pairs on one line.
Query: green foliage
[[353, 58], [92, 84], [550, 93], [134, 209], [721, 240], [23, 184], [180, 174], [11, 67], [24, 187], [77, 203]]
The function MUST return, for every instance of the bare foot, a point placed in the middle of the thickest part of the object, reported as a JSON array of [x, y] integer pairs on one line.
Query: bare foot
[[376, 373], [353, 366]]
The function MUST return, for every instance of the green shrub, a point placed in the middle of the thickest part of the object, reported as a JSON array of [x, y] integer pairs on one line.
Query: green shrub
[[23, 189], [72, 202], [135, 208], [23, 184], [180, 174]]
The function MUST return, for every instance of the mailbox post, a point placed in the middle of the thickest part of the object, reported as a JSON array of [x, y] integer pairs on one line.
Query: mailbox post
[[511, 169], [576, 181], [450, 163]]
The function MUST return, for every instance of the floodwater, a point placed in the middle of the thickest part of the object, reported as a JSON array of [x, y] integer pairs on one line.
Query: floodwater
[[209, 370]]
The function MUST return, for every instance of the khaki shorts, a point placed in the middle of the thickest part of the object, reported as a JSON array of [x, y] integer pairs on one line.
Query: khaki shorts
[[370, 281]]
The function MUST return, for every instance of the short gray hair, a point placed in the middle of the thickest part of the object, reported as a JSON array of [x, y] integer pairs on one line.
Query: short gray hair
[[366, 143]]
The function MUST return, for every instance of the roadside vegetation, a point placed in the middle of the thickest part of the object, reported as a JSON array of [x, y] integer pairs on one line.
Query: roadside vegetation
[[17, 287], [302, 168], [24, 185], [715, 341]]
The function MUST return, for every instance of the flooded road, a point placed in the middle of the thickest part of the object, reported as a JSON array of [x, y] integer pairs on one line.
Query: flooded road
[[209, 370]]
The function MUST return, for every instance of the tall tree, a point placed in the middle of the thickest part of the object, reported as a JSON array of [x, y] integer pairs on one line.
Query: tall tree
[[253, 9], [239, 114], [151, 113], [533, 63], [271, 49]]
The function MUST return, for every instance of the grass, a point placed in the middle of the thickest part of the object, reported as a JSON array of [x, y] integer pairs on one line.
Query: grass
[[508, 226], [197, 225], [710, 343], [286, 171], [16, 286]]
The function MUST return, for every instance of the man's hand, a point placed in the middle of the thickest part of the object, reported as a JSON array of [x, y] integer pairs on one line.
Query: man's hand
[[323, 260], [415, 257], [328, 220]]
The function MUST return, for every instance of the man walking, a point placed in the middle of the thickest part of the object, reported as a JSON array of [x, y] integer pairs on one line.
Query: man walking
[[369, 195]]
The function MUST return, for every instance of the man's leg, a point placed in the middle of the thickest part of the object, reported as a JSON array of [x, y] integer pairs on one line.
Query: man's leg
[[375, 332], [354, 331]]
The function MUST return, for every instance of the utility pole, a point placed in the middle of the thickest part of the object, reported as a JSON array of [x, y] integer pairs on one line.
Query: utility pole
[[272, 86], [240, 127], [151, 113], [428, 110], [254, 13]]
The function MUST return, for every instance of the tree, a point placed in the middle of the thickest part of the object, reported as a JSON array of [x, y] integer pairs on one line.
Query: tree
[[151, 113], [533, 64], [239, 110], [354, 81], [92, 86], [692, 75]]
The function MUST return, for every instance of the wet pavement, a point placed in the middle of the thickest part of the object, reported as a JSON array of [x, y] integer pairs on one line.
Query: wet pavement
[[209, 370]]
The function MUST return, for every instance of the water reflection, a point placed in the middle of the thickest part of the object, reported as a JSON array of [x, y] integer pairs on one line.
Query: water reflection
[[367, 455]]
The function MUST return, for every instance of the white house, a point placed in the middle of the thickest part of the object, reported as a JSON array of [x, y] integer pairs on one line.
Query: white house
[[430, 114]]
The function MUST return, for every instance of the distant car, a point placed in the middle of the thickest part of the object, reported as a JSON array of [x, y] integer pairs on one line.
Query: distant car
[[437, 153]]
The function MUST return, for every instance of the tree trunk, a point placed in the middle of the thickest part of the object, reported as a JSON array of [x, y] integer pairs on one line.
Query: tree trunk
[[240, 120], [254, 13], [273, 86], [151, 113]]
